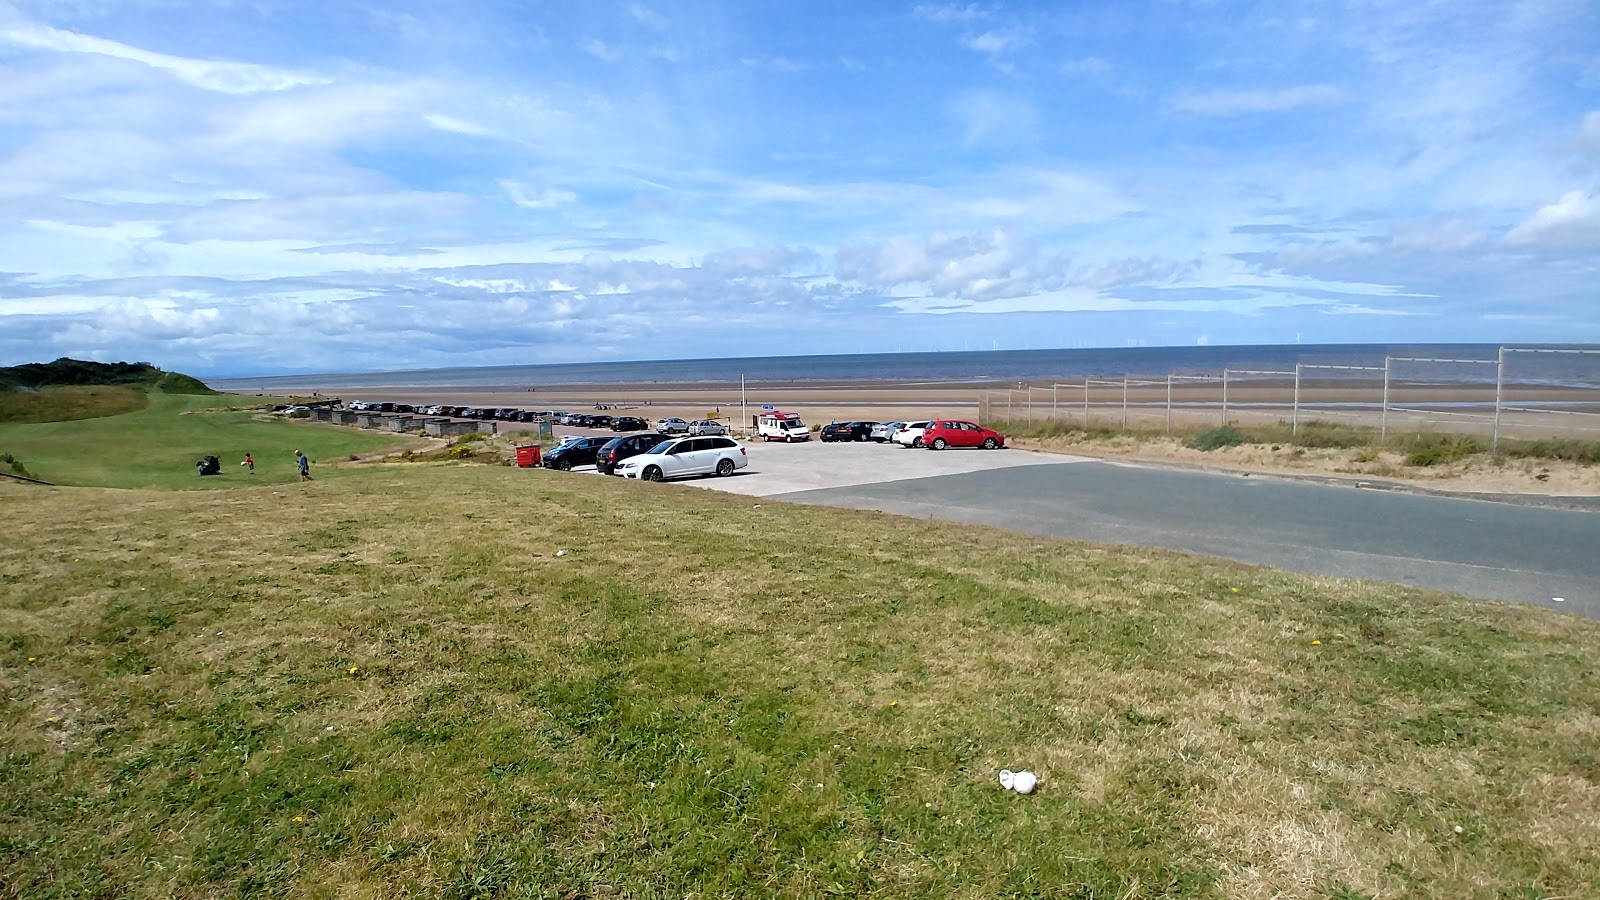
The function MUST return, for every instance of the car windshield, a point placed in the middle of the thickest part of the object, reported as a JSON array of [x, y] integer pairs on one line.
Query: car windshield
[[660, 448]]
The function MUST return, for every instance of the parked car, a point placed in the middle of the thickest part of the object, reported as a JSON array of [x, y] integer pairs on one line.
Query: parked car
[[883, 431], [614, 451], [629, 423], [577, 420], [672, 425], [848, 431], [707, 427], [581, 452], [910, 434], [960, 433], [683, 456], [600, 421]]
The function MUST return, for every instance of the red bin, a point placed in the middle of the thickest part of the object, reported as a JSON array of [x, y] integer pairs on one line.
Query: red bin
[[528, 457]]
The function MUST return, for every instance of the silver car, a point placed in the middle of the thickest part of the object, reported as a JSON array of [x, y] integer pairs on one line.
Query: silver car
[[707, 426]]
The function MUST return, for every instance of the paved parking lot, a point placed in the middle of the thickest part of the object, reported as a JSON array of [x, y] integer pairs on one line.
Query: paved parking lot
[[784, 468]]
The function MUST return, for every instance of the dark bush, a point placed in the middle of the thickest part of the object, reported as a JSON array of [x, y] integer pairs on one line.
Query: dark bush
[[1217, 438], [15, 464]]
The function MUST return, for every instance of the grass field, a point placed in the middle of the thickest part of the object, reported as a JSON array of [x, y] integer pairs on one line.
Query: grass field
[[158, 444], [396, 685], [59, 404]]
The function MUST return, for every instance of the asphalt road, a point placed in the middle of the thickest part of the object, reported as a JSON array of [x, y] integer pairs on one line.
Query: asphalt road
[[1479, 548]]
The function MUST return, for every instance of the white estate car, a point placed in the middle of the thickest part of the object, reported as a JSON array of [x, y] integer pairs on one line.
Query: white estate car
[[686, 456], [672, 425], [910, 434]]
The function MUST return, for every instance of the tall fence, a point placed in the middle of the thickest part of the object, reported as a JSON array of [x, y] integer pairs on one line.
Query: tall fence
[[1487, 397]]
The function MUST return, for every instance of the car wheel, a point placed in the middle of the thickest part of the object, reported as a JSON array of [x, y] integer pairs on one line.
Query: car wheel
[[566, 465], [939, 444], [651, 473], [725, 468], [916, 442], [990, 443]]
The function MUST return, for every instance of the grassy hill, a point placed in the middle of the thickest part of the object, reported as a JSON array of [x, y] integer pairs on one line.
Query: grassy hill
[[158, 444], [473, 681], [69, 389]]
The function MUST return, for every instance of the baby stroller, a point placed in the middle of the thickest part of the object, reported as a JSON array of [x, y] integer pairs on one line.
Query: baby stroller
[[209, 466]]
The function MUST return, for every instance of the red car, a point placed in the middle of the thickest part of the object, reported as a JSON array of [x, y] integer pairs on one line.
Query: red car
[[944, 433]]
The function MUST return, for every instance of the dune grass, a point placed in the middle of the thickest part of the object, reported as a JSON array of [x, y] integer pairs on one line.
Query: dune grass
[[156, 446], [60, 404], [398, 685]]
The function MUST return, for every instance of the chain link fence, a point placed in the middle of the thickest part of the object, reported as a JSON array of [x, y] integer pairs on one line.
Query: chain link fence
[[1521, 393]]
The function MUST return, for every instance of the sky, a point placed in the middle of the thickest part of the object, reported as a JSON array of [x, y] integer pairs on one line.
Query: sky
[[257, 187]]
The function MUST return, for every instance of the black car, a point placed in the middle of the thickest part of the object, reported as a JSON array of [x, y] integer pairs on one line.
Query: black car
[[526, 416], [581, 452], [578, 420], [599, 421], [629, 423], [848, 431], [618, 449]]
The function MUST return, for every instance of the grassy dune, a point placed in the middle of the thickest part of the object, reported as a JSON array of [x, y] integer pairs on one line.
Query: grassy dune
[[157, 444], [391, 685], [60, 404]]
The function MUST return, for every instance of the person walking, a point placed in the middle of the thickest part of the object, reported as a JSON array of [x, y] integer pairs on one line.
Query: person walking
[[250, 463], [305, 465]]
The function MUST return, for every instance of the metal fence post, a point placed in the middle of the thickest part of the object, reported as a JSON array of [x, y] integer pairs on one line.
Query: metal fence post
[[1383, 420], [1294, 428], [1086, 403], [1124, 403], [1499, 387], [1029, 397], [1169, 403], [1224, 397]]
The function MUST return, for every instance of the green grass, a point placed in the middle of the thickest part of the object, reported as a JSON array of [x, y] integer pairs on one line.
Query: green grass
[[60, 404], [158, 445], [1423, 448], [391, 685]]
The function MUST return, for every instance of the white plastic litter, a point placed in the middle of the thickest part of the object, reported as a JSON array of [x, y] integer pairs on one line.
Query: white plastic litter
[[561, 553], [1022, 782], [1559, 599]]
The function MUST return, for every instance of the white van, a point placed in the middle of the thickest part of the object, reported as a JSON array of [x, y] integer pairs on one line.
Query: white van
[[781, 426]]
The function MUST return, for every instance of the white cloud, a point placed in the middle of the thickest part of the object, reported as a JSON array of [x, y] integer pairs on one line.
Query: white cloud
[[547, 198], [1221, 103], [211, 75], [949, 12], [1452, 235], [987, 117], [1572, 221], [648, 17], [995, 43], [600, 50], [460, 126]]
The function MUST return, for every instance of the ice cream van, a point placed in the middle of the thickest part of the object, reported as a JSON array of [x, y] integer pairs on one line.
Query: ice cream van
[[781, 426]]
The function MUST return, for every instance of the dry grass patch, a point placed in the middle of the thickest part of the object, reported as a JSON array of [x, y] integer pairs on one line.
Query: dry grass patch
[[390, 685]]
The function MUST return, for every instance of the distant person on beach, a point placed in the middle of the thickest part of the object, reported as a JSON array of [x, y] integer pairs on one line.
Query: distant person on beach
[[304, 464], [250, 462]]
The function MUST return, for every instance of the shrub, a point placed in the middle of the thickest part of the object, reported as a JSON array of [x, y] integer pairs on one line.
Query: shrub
[[1368, 454], [1569, 449], [1439, 449], [15, 464], [1217, 438], [460, 451]]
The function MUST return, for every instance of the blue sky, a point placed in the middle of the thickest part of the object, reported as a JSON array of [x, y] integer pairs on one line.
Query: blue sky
[[232, 188]]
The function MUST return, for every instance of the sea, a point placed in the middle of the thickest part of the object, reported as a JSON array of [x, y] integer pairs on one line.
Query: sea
[[1571, 365]]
